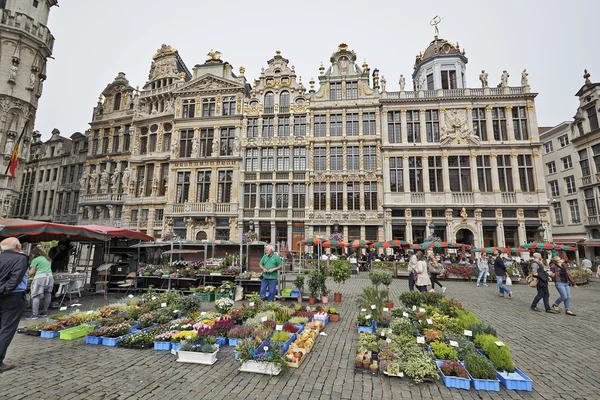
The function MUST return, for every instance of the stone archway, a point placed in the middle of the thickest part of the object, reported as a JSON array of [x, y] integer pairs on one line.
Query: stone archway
[[465, 236], [201, 235]]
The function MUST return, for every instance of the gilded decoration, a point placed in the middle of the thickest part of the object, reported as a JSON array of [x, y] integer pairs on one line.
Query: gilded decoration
[[163, 51]]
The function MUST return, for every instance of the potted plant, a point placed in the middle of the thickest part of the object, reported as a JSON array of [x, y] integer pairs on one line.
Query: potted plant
[[340, 272], [199, 352], [266, 359], [314, 284], [454, 374], [299, 284], [386, 280], [482, 372], [324, 289], [223, 305], [333, 315]]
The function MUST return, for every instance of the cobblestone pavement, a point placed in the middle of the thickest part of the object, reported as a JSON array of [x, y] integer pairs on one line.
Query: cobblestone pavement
[[557, 351]]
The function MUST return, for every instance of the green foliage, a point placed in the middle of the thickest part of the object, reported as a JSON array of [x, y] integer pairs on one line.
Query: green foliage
[[298, 320], [443, 352], [454, 368], [281, 336], [299, 282], [314, 284], [465, 346], [498, 355], [340, 271], [479, 367], [466, 318], [380, 277], [418, 364], [283, 314], [364, 321], [372, 296], [402, 326], [481, 327]]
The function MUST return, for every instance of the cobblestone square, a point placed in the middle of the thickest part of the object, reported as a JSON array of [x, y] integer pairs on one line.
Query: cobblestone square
[[557, 351]]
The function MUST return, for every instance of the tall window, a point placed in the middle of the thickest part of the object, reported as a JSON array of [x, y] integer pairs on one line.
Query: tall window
[[166, 143], [592, 115], [95, 146], [250, 195], [149, 179], [140, 181], [430, 85], [505, 173], [117, 103], [320, 127], [229, 105], [105, 142], [436, 180], [266, 196], [186, 138], [548, 147], [298, 195], [252, 128], [551, 166], [203, 186], [352, 90], [335, 125], [50, 202], [144, 141], [209, 107], [268, 128], [299, 162], [336, 158], [335, 90], [63, 175], [415, 172], [115, 144], [448, 79], [71, 174], [65, 211], [370, 158], [590, 202], [368, 119], [351, 124], [574, 211], [320, 158], [336, 195], [353, 195], [519, 118], [370, 196], [563, 141], [283, 126], [460, 173], [59, 204], [164, 179], [126, 139], [227, 141], [299, 125], [284, 102], [320, 196], [432, 125], [526, 172], [558, 217], [584, 163], [269, 103], [499, 123], [554, 189], [396, 175], [183, 187], [352, 158], [224, 188], [251, 160], [596, 151], [567, 162], [152, 142], [413, 127], [394, 127], [267, 160], [282, 195], [484, 173], [189, 108], [570, 184], [283, 159], [479, 125], [207, 136]]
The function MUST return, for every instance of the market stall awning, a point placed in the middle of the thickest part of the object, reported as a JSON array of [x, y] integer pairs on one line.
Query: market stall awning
[[38, 231], [591, 243], [183, 251], [567, 240], [121, 232]]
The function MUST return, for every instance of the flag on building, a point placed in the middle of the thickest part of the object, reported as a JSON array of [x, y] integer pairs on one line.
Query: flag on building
[[14, 158]]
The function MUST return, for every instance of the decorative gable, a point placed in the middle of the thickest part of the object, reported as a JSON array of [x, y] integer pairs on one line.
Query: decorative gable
[[208, 84]]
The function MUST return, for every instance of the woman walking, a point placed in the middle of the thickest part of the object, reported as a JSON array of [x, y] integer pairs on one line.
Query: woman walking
[[484, 270], [422, 280], [435, 268], [43, 282], [562, 277]]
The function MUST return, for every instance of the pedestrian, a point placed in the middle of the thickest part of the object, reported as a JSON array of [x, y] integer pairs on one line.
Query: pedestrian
[[270, 263], [13, 283], [542, 286], [412, 263], [422, 280], [43, 283], [586, 263], [500, 271], [484, 270], [60, 256], [435, 268], [562, 277]]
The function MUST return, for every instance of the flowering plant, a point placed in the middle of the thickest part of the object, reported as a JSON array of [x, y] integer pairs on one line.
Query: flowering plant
[[206, 332], [223, 326], [200, 346], [206, 289], [433, 238], [337, 236], [184, 335], [226, 287], [165, 337], [223, 305], [240, 332], [454, 368], [249, 236]]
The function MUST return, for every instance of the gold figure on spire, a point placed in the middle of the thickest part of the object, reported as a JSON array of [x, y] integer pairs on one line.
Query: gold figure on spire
[[435, 22]]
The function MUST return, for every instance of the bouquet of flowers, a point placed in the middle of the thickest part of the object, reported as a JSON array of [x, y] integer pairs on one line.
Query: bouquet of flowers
[[223, 305]]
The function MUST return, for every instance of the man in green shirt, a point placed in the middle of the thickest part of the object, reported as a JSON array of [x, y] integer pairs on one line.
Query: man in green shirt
[[269, 264]]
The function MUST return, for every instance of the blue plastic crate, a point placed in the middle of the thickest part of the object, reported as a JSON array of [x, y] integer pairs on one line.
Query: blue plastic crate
[[166, 346], [50, 334], [300, 327], [454, 381], [368, 329], [524, 383], [175, 346], [431, 352], [295, 293], [221, 341], [233, 342], [96, 340], [110, 342], [486, 384]]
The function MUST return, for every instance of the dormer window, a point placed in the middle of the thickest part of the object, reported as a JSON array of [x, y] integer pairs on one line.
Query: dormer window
[[117, 105]]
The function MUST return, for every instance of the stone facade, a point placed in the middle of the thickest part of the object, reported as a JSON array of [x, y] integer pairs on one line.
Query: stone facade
[[572, 160], [26, 44]]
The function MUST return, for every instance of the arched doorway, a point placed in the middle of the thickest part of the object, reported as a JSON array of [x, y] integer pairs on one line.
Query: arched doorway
[[201, 235], [465, 236]]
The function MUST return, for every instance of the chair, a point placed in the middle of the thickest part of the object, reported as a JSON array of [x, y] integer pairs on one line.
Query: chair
[[129, 282], [104, 279]]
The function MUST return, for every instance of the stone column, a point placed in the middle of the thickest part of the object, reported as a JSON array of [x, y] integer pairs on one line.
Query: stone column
[[328, 124], [328, 195], [216, 141], [495, 176], [538, 172], [423, 126], [193, 180], [273, 233], [386, 174], [290, 233], [121, 140], [344, 123], [437, 77], [403, 127], [489, 126], [500, 228], [425, 175], [521, 232], [292, 127], [214, 182], [532, 123], [474, 176], [260, 125], [509, 125], [235, 185], [469, 118], [360, 123], [275, 126], [378, 130], [515, 173], [345, 195], [408, 232], [405, 174], [384, 127], [445, 173]]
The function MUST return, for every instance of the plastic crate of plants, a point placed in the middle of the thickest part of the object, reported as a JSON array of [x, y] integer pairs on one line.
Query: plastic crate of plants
[[76, 332]]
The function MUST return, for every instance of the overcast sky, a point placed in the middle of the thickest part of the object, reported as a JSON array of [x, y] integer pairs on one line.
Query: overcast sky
[[554, 40]]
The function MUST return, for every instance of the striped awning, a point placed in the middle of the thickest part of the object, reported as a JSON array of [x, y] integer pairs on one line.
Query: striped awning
[[39, 231]]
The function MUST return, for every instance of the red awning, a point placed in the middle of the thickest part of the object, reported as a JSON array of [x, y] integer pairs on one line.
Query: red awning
[[120, 232], [591, 243], [40, 231], [567, 240]]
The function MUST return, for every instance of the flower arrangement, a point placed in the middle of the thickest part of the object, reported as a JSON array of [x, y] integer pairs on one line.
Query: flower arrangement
[[141, 340], [165, 337], [223, 305], [206, 289], [281, 336], [236, 315], [222, 326], [111, 331], [240, 332], [249, 236], [464, 271], [226, 287], [206, 332], [454, 368], [183, 336], [337, 236], [262, 332], [200, 346], [290, 328]]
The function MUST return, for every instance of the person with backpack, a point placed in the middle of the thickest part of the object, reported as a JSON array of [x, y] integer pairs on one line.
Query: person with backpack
[[435, 268]]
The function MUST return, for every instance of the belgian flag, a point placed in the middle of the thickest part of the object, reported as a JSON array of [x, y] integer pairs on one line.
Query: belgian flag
[[14, 159]]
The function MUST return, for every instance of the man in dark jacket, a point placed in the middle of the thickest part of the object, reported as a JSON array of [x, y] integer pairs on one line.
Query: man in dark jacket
[[500, 271], [13, 283]]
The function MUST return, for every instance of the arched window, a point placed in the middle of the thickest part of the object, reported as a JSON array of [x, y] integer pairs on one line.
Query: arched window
[[269, 103], [284, 102], [117, 105], [189, 108], [209, 107]]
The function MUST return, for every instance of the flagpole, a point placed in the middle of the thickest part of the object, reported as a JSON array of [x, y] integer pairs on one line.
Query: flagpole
[[16, 148]]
